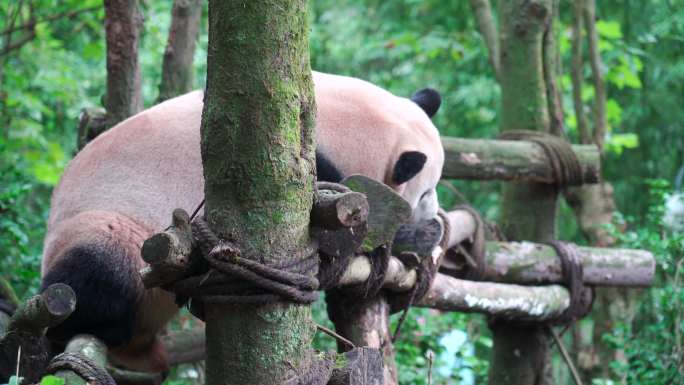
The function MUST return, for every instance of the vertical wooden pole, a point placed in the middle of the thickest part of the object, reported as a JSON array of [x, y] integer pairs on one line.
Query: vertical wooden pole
[[521, 353], [258, 157]]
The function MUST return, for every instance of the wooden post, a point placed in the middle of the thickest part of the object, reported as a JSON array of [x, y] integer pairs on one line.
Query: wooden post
[[521, 354], [258, 157]]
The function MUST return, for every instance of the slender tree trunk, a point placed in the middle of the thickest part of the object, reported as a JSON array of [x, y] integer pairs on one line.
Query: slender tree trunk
[[487, 26], [521, 354], [122, 25], [123, 99], [576, 72], [177, 71], [258, 157], [596, 71], [594, 206], [552, 66]]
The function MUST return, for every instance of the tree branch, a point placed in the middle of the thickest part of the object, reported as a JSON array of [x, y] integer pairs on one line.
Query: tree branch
[[31, 24], [487, 26], [600, 122]]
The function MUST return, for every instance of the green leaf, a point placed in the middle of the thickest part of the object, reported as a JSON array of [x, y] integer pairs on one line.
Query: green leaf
[[52, 380], [609, 29]]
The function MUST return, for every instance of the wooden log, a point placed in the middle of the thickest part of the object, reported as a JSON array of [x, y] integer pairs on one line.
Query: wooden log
[[333, 210], [26, 331], [480, 159], [535, 264], [88, 346], [168, 252], [504, 301], [48, 309], [362, 366]]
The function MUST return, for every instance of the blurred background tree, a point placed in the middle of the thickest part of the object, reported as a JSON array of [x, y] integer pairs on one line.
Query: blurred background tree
[[52, 64]]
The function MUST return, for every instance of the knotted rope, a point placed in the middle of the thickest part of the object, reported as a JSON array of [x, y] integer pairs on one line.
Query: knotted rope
[[234, 279], [567, 170], [581, 296], [93, 373]]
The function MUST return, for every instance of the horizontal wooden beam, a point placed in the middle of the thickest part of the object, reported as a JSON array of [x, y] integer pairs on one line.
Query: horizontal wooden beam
[[514, 302], [480, 159], [537, 264]]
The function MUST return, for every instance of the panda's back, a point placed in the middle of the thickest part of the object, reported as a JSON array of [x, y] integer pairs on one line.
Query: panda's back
[[142, 168]]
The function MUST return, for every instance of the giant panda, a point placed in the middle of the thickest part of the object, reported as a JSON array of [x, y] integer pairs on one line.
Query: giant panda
[[122, 187]]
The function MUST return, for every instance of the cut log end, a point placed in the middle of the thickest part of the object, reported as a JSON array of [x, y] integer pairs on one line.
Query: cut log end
[[157, 248], [60, 301]]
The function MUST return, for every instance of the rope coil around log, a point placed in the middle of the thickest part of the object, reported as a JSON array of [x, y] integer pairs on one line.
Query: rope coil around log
[[567, 170], [233, 279], [93, 373], [472, 250], [581, 296]]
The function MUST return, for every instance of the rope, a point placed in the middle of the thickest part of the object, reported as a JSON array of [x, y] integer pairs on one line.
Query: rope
[[471, 250], [233, 279], [86, 368], [581, 296], [567, 170]]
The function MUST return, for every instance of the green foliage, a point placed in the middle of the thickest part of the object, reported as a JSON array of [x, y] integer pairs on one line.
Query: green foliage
[[653, 341]]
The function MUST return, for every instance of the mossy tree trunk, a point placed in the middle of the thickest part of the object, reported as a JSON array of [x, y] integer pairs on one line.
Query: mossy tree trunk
[[521, 354], [258, 157]]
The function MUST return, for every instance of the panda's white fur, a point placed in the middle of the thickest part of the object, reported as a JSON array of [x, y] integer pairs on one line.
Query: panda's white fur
[[122, 187]]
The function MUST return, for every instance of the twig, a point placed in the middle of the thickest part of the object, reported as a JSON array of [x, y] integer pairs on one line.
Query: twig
[[33, 22], [566, 356], [430, 357], [334, 335], [7, 292]]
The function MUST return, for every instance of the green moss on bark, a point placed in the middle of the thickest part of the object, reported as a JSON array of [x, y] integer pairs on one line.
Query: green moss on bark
[[258, 157], [521, 352]]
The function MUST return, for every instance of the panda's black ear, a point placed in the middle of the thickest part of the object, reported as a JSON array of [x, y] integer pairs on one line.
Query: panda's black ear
[[428, 99], [409, 164]]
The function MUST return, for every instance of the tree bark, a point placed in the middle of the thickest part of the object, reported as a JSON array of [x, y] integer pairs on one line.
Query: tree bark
[[258, 157], [122, 25], [177, 70], [521, 354]]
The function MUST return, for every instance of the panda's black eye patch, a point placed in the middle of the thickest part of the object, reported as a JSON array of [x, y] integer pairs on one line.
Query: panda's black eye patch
[[409, 164]]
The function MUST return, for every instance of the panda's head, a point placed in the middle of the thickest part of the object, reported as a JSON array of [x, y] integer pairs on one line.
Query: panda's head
[[418, 167], [364, 129]]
